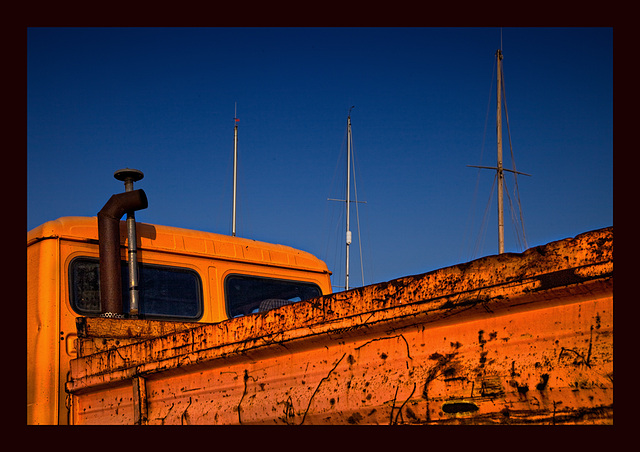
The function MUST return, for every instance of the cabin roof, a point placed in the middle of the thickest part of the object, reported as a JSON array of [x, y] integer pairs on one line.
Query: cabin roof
[[173, 239]]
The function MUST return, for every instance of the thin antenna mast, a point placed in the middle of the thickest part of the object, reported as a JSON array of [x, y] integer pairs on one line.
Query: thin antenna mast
[[348, 239], [348, 199], [235, 169]]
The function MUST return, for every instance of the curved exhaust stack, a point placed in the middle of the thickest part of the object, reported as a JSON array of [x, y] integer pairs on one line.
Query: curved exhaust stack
[[109, 246]]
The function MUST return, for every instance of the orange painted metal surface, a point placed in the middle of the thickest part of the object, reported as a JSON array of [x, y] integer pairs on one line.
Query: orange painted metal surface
[[51, 328], [514, 338]]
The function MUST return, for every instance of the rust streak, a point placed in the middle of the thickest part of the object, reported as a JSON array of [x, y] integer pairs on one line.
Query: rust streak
[[393, 406], [403, 404], [318, 387], [184, 419], [244, 392], [578, 354], [385, 338]]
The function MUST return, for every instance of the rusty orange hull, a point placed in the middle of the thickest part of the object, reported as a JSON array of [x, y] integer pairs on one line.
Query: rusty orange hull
[[524, 338]]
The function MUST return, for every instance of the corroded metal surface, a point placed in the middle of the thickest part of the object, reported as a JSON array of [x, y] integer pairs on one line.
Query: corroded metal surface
[[100, 334], [521, 338]]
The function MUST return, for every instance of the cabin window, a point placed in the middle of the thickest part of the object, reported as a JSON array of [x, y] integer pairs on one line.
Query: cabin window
[[164, 292], [249, 294]]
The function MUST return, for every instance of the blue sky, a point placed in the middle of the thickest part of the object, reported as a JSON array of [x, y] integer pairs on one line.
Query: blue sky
[[162, 100]]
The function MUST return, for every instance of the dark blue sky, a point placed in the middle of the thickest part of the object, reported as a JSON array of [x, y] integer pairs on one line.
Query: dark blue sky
[[162, 101]]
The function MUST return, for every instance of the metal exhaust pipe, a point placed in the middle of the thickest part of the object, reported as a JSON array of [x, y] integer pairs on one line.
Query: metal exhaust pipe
[[109, 247], [129, 176]]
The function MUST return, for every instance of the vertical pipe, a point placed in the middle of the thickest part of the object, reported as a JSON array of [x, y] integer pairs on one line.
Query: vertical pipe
[[133, 259], [500, 170], [109, 246], [129, 177]]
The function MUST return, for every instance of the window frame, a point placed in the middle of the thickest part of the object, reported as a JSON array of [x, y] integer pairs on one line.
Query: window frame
[[124, 272], [266, 278]]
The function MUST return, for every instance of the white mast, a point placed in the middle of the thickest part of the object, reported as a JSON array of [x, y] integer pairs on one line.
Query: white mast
[[235, 171], [346, 284], [348, 203]]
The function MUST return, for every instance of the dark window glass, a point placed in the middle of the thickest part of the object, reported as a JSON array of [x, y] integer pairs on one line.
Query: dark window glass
[[84, 286], [248, 294], [164, 292]]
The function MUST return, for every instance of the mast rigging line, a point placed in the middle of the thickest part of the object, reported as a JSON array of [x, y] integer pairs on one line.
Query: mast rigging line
[[333, 220], [483, 224], [471, 221], [355, 191], [515, 173]]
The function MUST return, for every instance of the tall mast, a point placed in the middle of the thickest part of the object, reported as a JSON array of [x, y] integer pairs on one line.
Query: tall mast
[[346, 284], [235, 172], [348, 203], [499, 168]]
